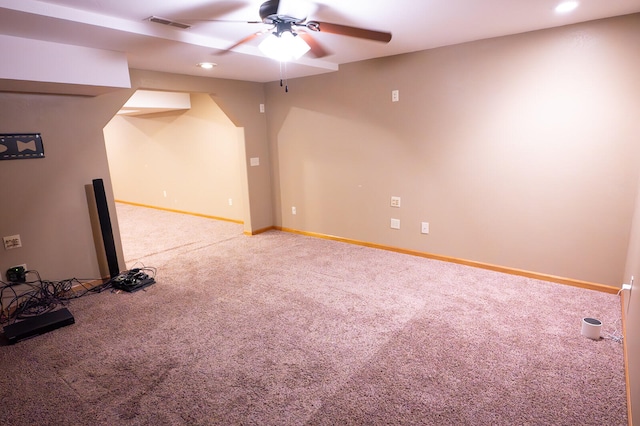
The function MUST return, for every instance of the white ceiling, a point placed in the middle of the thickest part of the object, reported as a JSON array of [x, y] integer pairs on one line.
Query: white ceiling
[[122, 25]]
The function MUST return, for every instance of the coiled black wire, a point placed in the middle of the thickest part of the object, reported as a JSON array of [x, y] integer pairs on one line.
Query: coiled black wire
[[38, 296]]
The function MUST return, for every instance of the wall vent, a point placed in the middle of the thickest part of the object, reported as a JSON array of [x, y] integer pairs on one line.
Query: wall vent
[[168, 22]]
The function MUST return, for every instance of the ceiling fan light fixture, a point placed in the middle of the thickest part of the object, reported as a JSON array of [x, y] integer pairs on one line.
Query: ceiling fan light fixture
[[285, 47]]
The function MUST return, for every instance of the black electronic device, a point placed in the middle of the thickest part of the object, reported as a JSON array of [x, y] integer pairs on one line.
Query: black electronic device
[[37, 325], [17, 274], [133, 280]]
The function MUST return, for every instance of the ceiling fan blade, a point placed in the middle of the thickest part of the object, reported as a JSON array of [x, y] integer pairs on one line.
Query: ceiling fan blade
[[326, 27], [316, 48], [244, 40]]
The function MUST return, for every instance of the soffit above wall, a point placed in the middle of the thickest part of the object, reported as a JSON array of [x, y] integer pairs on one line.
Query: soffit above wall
[[152, 102], [48, 88], [37, 66]]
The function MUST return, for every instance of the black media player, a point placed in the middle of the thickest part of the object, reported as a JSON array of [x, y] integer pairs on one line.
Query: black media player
[[40, 324]]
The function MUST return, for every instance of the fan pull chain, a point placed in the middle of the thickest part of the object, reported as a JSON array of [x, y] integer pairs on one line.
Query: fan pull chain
[[286, 82]]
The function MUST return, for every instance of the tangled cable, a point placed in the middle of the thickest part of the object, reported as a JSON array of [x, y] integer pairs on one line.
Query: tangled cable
[[36, 297]]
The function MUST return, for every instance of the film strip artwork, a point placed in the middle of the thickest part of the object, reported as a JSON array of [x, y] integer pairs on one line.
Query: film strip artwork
[[17, 146]]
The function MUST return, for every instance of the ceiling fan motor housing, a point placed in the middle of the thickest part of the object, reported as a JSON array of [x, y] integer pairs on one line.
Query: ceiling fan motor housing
[[269, 8]]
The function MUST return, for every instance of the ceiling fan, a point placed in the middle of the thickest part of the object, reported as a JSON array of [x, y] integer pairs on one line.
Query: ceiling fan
[[293, 34]]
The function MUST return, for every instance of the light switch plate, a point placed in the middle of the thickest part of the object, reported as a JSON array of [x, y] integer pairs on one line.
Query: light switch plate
[[425, 228]]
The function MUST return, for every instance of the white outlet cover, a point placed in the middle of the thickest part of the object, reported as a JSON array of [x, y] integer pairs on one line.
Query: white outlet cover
[[395, 201], [254, 161], [395, 223], [425, 228]]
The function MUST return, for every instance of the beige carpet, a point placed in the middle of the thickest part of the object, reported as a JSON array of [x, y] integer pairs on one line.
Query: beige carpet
[[282, 329]]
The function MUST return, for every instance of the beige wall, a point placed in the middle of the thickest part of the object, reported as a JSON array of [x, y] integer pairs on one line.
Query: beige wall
[[45, 200], [519, 151], [184, 160]]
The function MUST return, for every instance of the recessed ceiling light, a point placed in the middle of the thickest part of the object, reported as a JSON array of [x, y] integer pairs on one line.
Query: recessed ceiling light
[[566, 7], [206, 65]]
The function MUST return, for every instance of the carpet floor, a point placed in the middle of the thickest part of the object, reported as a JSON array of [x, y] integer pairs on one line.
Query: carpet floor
[[283, 329]]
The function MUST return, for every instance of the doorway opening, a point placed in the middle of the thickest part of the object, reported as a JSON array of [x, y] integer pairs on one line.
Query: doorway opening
[[177, 152]]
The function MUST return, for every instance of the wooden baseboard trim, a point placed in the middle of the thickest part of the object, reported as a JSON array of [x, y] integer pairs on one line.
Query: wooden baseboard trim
[[626, 358], [507, 270], [512, 271], [259, 231], [79, 288], [180, 211]]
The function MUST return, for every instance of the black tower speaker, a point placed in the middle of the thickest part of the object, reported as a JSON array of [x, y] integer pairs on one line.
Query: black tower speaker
[[105, 227]]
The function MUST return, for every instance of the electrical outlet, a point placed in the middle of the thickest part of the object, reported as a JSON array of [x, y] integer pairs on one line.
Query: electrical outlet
[[17, 274], [395, 223], [12, 241], [293, 210]]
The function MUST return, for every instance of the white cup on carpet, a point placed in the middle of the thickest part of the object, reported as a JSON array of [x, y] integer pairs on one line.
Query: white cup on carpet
[[591, 328]]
